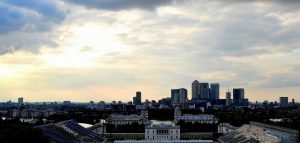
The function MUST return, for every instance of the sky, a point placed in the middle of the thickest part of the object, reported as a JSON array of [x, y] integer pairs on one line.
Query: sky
[[91, 50]]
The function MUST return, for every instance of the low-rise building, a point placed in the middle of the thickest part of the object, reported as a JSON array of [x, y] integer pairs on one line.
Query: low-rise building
[[199, 118], [119, 119], [163, 141], [162, 130]]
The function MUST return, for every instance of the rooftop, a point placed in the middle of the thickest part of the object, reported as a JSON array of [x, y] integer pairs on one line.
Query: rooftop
[[71, 132], [196, 117], [125, 117], [248, 133], [164, 141], [161, 124]]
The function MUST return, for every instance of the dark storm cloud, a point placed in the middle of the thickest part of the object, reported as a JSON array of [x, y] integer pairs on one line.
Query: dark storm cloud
[[27, 23], [121, 4]]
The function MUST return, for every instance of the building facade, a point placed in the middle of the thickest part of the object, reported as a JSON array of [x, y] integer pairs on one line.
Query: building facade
[[179, 96], [228, 98], [204, 91], [214, 91], [200, 118], [238, 96], [119, 119], [195, 90], [284, 101], [137, 100], [162, 130]]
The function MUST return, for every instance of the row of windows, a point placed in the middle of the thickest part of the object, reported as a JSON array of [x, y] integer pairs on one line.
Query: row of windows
[[125, 122], [162, 132], [162, 137]]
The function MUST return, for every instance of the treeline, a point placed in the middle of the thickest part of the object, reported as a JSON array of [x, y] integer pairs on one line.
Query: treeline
[[88, 115], [238, 117], [13, 131]]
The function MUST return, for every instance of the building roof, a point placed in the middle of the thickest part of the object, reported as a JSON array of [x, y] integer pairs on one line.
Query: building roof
[[121, 117], [161, 124], [163, 141], [190, 117], [248, 133], [228, 126], [70, 132]]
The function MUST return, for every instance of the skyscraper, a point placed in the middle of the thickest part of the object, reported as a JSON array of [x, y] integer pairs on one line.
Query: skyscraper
[[228, 98], [214, 91], [204, 91], [238, 96], [137, 100], [195, 90], [284, 101], [178, 96], [20, 100]]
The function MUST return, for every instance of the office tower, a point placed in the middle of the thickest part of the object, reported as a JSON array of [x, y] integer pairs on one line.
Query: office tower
[[275, 103], [293, 101], [178, 96], [20, 100], [238, 95], [228, 98], [134, 100], [284, 101], [195, 90], [137, 100], [214, 91], [204, 91]]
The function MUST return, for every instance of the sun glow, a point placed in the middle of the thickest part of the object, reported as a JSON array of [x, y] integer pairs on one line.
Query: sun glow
[[6, 72], [84, 46]]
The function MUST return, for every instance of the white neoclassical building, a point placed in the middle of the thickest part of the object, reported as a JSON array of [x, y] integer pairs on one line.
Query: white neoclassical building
[[162, 130], [119, 119], [200, 118]]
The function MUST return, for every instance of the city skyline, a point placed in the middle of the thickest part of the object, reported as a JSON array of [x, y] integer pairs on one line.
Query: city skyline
[[107, 50]]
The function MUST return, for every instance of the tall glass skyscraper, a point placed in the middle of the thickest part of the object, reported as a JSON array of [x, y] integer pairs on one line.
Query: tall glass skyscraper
[[195, 90], [204, 91], [238, 95], [214, 91]]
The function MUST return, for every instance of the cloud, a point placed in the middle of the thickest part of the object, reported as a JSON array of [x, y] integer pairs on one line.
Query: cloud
[[283, 80], [121, 5], [10, 19], [158, 44], [26, 25]]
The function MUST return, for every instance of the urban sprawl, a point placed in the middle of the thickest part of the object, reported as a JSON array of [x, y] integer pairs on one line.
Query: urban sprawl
[[205, 118]]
